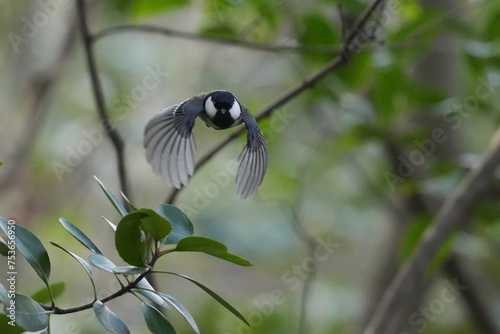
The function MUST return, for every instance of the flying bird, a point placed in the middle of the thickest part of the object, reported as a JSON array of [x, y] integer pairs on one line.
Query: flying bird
[[170, 145]]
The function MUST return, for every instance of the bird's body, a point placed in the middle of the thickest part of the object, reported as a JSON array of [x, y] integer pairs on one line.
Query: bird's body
[[170, 146]]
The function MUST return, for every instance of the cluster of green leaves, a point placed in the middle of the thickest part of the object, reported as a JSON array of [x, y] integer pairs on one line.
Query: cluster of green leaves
[[142, 236]]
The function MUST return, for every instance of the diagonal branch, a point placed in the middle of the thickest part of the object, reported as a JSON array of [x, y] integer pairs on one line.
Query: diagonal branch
[[354, 41], [110, 130], [448, 218]]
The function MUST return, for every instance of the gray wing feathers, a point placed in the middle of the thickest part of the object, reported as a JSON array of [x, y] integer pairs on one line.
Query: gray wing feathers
[[253, 160], [170, 144]]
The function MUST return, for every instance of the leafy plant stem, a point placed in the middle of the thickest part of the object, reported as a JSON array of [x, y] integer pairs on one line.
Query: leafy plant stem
[[118, 293]]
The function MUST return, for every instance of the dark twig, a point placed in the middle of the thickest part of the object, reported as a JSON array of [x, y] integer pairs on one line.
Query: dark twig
[[227, 41], [109, 129], [123, 290], [351, 45], [448, 218]]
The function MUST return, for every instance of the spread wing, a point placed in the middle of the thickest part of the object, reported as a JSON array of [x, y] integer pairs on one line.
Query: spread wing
[[253, 158], [169, 141]]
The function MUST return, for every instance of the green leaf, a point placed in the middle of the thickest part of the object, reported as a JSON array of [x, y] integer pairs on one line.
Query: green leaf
[[109, 320], [128, 201], [43, 295], [211, 247], [31, 248], [79, 235], [182, 310], [130, 270], [317, 29], [212, 294], [155, 225], [157, 323], [7, 328], [147, 290], [358, 73], [112, 198], [148, 7], [84, 263], [128, 239], [29, 314], [102, 262], [181, 225]]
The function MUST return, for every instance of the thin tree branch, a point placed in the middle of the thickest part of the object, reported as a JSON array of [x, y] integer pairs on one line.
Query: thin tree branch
[[110, 130], [448, 218], [123, 290], [146, 28], [351, 46]]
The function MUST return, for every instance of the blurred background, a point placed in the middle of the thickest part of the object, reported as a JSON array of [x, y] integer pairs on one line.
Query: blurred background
[[359, 163]]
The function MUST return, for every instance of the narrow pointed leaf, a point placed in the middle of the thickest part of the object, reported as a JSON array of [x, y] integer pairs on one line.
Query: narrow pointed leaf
[[79, 235], [31, 248], [130, 270], [29, 314], [211, 247], [181, 225], [8, 326], [182, 310], [132, 207], [112, 198], [43, 296], [109, 320], [157, 323], [154, 224], [113, 226], [102, 262], [146, 289], [212, 294], [82, 262], [128, 239]]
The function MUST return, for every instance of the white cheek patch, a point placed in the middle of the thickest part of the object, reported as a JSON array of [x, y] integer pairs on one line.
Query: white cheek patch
[[235, 111], [210, 107]]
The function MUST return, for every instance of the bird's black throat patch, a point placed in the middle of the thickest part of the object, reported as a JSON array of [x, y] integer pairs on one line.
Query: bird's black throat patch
[[223, 119]]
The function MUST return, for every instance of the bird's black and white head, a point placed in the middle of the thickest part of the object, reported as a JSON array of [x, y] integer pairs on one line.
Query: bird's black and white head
[[222, 110]]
